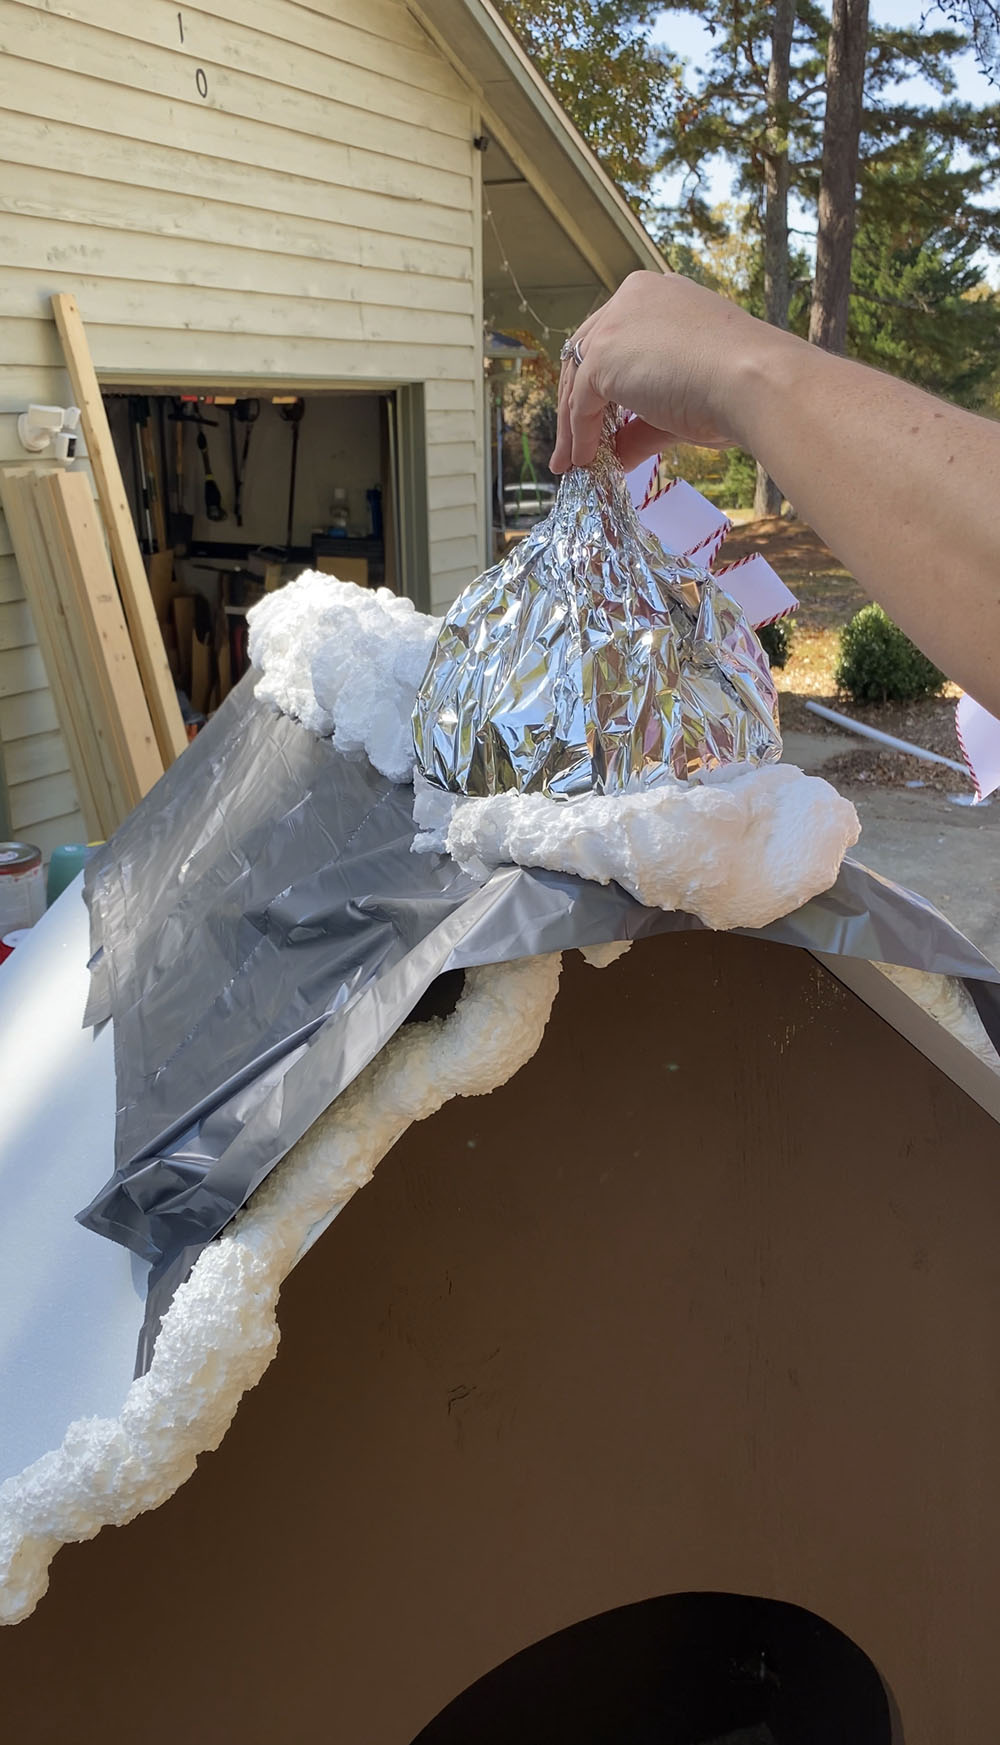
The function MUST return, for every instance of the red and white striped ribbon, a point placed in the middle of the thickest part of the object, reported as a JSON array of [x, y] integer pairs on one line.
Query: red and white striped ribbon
[[979, 736], [687, 524]]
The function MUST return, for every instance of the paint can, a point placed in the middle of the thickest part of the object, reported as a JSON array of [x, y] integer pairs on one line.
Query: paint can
[[22, 886], [9, 940]]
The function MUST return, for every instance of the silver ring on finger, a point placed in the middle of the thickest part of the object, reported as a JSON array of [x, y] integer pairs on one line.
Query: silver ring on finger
[[571, 353]]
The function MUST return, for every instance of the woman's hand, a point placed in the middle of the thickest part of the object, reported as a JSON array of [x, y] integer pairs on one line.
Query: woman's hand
[[672, 353], [901, 486]]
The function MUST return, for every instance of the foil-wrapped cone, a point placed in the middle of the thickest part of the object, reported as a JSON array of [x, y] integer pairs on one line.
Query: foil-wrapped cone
[[590, 660]]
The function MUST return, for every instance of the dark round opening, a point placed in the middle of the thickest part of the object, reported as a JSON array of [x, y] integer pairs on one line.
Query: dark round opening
[[440, 999], [684, 1669]]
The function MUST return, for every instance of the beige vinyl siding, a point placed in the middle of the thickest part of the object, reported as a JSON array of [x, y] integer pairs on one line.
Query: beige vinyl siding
[[454, 449], [314, 217]]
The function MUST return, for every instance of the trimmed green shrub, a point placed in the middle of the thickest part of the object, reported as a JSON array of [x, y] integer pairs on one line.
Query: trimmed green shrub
[[776, 641], [879, 664]]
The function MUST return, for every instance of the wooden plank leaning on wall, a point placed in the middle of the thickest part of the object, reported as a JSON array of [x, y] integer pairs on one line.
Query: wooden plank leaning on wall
[[126, 556], [66, 507], [93, 674], [56, 646]]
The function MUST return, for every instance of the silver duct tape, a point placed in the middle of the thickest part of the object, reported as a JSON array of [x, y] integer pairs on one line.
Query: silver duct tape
[[590, 660], [264, 929]]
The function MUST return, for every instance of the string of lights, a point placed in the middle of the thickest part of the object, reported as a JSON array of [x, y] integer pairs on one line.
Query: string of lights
[[525, 307]]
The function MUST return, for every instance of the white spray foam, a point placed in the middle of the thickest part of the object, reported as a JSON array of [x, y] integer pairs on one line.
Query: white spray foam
[[736, 853], [739, 851], [603, 956], [220, 1332], [949, 1003], [346, 662]]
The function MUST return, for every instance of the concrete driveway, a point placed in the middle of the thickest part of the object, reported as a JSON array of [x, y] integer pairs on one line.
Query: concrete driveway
[[948, 853]]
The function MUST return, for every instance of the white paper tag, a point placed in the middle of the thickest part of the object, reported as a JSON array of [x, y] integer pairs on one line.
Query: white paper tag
[[979, 736], [688, 525], [756, 587], [685, 522]]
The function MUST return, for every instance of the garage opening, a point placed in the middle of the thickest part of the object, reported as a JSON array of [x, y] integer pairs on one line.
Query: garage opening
[[682, 1669], [235, 492]]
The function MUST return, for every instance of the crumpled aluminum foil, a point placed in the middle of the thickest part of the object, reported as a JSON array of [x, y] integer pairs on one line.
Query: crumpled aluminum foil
[[590, 660]]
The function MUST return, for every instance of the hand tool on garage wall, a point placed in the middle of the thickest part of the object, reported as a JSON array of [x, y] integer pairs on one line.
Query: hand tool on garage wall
[[293, 412], [154, 493], [181, 521], [187, 412], [245, 413], [141, 482], [213, 496], [160, 557]]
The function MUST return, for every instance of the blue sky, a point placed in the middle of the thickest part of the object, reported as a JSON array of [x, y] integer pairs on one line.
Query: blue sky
[[687, 37]]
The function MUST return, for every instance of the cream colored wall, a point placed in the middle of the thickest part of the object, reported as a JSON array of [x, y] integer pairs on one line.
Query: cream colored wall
[[256, 189]]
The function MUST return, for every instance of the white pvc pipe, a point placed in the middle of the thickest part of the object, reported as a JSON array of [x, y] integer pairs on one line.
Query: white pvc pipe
[[884, 738]]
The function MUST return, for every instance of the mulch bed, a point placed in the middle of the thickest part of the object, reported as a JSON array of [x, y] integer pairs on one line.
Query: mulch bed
[[929, 724], [881, 768], [828, 597]]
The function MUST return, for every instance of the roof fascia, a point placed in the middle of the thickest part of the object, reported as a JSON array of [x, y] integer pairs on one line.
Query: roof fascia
[[523, 162], [488, 56], [936, 1043]]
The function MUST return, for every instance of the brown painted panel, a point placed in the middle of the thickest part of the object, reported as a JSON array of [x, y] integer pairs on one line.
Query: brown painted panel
[[707, 1298]]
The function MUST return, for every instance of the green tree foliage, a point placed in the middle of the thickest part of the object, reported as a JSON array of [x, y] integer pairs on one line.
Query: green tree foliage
[[726, 115], [727, 259], [927, 178], [740, 480], [920, 307], [616, 86]]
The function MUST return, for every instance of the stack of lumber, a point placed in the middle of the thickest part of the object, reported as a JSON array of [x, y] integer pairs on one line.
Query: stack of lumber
[[93, 671], [94, 613]]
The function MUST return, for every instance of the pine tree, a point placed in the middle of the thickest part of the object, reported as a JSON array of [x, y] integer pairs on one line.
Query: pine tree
[[741, 109], [728, 114], [777, 288], [921, 307], [919, 231], [846, 64]]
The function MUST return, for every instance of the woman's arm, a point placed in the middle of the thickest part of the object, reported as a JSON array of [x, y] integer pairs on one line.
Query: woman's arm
[[901, 486]]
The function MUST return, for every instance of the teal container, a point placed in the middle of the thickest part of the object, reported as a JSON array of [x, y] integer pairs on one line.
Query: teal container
[[64, 865]]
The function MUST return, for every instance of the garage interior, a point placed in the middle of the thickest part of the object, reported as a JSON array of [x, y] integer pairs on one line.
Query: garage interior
[[235, 493]]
